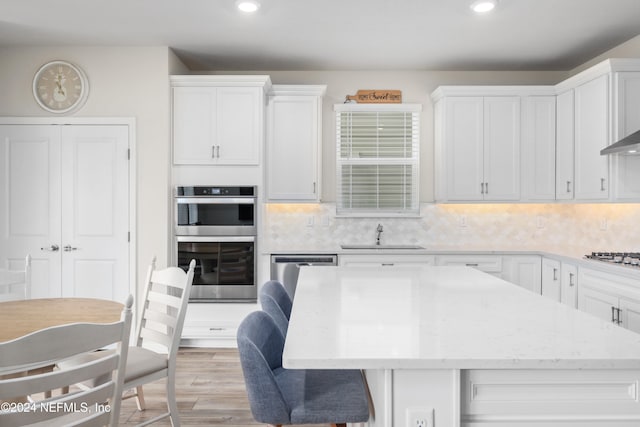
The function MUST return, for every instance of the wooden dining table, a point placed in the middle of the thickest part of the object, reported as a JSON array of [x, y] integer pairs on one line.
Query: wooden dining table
[[22, 317]]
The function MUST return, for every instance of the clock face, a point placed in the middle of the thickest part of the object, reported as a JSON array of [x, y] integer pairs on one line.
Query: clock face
[[60, 87]]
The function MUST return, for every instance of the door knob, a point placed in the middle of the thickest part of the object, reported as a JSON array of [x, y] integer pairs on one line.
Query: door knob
[[69, 248], [52, 248]]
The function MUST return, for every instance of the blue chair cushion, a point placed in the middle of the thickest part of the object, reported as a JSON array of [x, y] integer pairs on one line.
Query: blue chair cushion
[[324, 396]]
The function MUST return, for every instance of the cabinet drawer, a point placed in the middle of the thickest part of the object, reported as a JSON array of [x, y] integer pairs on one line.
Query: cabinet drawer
[[486, 263], [204, 329], [383, 260]]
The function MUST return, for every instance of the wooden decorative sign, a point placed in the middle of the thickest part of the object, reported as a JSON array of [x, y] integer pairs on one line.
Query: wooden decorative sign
[[376, 97]]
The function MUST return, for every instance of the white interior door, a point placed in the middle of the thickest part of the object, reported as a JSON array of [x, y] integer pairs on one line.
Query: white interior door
[[30, 203], [64, 193], [95, 214]]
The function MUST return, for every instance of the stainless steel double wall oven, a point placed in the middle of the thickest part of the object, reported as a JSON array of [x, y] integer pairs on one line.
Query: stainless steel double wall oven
[[217, 226]]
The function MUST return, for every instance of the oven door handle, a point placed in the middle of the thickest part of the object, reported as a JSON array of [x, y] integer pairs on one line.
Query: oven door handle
[[215, 239], [216, 200]]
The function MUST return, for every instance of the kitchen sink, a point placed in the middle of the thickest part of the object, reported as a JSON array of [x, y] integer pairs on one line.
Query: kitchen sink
[[381, 247]]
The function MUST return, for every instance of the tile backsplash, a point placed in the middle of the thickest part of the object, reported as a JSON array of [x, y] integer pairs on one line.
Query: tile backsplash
[[573, 229]]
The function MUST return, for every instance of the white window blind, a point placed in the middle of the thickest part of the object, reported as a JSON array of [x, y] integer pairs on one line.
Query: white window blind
[[377, 159]]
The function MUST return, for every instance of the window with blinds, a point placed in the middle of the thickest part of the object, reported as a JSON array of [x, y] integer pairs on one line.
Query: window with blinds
[[377, 159]]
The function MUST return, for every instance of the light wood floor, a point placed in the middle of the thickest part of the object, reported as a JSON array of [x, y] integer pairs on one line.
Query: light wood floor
[[209, 388]]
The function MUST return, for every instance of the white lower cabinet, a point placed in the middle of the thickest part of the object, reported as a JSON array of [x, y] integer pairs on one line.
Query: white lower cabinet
[[523, 270], [214, 324], [545, 398], [610, 297], [385, 260], [551, 278], [569, 284]]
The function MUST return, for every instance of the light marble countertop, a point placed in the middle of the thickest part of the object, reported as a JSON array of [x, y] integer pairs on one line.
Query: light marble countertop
[[442, 318]]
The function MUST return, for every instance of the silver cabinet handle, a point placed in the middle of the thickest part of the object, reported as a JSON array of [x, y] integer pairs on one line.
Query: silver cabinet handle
[[486, 188], [555, 274], [482, 188], [571, 275], [389, 264], [568, 186], [69, 248], [471, 264], [215, 151], [314, 188], [52, 248], [602, 184], [615, 315]]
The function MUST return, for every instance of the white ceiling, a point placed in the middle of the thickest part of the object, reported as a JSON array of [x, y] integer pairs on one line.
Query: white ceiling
[[335, 34]]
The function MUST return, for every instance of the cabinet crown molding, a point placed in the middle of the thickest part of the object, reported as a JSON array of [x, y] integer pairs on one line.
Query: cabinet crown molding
[[201, 80], [300, 90], [485, 90]]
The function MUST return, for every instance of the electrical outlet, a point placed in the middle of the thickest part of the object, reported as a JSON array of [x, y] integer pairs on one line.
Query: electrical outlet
[[420, 417], [310, 221], [603, 224], [540, 221], [463, 220]]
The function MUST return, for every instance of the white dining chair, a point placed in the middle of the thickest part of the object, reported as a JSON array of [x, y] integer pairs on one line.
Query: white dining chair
[[26, 371], [158, 336], [16, 284]]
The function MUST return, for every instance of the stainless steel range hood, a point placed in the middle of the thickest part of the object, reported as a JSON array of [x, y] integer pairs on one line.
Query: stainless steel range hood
[[629, 146]]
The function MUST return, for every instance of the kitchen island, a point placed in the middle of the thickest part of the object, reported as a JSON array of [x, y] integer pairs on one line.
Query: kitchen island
[[472, 348]]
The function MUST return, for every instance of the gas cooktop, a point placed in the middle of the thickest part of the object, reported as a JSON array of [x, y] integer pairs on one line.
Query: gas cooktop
[[631, 259]]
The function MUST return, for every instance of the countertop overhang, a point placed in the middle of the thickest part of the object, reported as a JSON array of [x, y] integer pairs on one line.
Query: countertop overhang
[[442, 318]]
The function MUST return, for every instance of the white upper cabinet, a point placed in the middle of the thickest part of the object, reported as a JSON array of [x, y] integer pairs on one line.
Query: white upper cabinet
[[218, 120], [477, 147], [538, 161], [565, 156], [591, 120], [294, 143]]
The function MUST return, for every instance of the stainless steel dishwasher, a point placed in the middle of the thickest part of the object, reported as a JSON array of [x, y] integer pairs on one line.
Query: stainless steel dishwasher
[[285, 267]]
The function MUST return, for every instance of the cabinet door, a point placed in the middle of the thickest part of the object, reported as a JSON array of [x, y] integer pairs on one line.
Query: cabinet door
[[501, 148], [524, 271], [551, 278], [239, 125], [565, 155], [292, 148], [592, 135], [594, 302], [569, 284], [463, 135], [626, 169], [630, 314], [538, 162], [194, 125]]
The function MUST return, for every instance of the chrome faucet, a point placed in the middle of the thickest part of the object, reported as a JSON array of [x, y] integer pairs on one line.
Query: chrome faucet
[[378, 233]]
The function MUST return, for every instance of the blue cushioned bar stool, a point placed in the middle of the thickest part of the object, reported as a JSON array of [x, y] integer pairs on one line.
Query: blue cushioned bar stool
[[280, 396], [276, 303]]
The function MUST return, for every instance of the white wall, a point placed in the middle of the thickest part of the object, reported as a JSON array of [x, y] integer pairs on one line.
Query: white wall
[[124, 82]]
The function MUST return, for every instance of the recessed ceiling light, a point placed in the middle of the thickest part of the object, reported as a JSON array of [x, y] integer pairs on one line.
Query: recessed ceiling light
[[248, 6], [483, 6]]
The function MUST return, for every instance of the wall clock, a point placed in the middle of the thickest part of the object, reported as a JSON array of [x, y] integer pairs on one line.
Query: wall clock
[[60, 87]]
